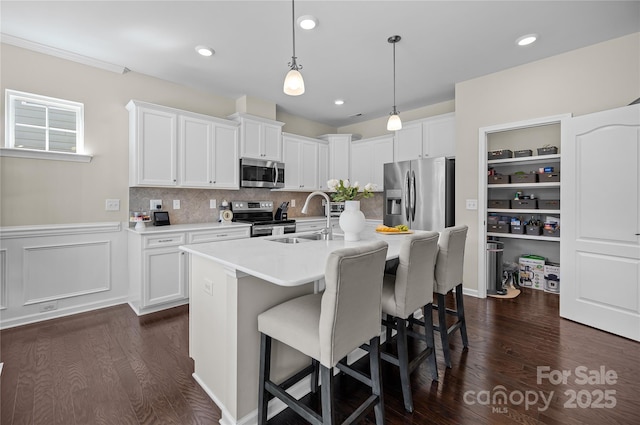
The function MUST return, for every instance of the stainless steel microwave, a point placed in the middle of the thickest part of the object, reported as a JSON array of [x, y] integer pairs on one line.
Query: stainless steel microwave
[[261, 173]]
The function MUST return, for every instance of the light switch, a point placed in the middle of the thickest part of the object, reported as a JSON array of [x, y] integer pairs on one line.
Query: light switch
[[176, 204], [293, 203], [212, 203], [472, 204]]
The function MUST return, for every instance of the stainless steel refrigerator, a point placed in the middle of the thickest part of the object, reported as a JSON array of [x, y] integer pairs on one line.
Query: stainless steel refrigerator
[[420, 193]]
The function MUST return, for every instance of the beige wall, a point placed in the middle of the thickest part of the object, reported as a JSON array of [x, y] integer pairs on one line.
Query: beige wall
[[595, 78]]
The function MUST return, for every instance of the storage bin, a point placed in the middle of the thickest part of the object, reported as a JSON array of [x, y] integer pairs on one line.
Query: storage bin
[[498, 179], [545, 204], [503, 153], [547, 150], [554, 233], [523, 178], [493, 219], [522, 153], [498, 228], [517, 229], [498, 203], [533, 230], [549, 177], [524, 204]]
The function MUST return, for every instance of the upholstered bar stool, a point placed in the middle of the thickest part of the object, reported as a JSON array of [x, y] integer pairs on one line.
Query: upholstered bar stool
[[449, 264], [410, 289], [326, 327]]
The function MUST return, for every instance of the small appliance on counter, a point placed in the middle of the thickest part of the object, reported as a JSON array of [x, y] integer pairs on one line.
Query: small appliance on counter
[[225, 212], [281, 212], [335, 208], [161, 218]]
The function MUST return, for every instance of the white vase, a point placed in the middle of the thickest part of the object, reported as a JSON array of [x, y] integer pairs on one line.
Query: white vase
[[352, 221]]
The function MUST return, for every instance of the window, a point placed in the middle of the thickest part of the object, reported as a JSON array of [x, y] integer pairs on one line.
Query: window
[[38, 124]]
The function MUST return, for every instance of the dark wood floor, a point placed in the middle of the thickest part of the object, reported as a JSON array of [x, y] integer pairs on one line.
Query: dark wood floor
[[111, 367]]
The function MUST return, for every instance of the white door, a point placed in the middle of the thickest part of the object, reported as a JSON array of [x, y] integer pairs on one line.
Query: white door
[[195, 152], [600, 210], [226, 170]]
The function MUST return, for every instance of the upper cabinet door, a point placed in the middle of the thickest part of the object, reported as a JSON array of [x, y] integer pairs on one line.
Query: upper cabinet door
[[272, 142], [226, 167], [409, 142], [260, 138], [427, 138], [152, 147], [195, 152], [439, 136], [323, 166]]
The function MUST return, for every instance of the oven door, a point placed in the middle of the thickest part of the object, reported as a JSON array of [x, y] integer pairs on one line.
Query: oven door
[[261, 173]]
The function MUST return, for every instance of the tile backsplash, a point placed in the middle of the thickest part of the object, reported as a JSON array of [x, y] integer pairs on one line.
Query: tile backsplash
[[194, 203]]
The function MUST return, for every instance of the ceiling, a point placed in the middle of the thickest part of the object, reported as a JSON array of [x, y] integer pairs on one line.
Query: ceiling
[[346, 57]]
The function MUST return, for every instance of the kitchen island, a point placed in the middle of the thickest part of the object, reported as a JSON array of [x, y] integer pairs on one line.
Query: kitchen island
[[231, 283]]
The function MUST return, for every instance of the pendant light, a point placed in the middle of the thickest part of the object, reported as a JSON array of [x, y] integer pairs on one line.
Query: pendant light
[[394, 122], [293, 82]]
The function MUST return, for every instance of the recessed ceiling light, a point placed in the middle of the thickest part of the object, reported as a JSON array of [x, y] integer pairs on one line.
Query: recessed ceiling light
[[525, 40], [338, 102], [307, 22], [204, 50]]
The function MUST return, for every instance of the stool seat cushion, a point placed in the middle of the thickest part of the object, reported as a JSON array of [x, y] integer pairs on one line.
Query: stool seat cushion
[[295, 323]]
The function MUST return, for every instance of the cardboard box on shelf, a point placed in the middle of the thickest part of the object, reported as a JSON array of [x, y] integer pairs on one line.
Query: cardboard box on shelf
[[532, 271], [552, 278]]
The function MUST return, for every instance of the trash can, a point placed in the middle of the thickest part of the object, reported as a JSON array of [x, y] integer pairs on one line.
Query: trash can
[[495, 250]]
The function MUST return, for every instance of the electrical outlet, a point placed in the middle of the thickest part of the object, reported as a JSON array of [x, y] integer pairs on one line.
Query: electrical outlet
[[293, 203], [472, 204], [112, 205], [212, 203], [176, 204], [155, 204], [50, 306], [208, 286]]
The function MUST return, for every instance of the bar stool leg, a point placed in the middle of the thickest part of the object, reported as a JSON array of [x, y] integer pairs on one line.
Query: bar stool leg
[[443, 329], [265, 371], [328, 412], [428, 337], [403, 363], [376, 379], [460, 314]]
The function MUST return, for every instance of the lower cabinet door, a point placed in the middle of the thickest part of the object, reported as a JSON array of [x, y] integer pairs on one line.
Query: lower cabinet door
[[164, 276]]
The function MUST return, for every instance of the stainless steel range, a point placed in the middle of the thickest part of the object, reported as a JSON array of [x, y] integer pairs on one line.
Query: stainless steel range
[[260, 215]]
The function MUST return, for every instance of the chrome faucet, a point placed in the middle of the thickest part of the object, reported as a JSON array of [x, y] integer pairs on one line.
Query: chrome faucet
[[326, 233]]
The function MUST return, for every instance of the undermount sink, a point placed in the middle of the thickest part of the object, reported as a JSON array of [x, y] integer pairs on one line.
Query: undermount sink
[[299, 238]]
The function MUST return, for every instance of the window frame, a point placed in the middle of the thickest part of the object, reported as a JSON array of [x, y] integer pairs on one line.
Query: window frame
[[10, 150]]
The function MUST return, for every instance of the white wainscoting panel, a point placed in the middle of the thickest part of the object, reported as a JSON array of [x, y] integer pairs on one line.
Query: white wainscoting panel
[[49, 271], [61, 271], [3, 279]]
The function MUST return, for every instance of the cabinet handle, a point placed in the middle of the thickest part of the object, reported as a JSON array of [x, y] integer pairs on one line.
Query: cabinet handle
[[165, 240], [220, 236]]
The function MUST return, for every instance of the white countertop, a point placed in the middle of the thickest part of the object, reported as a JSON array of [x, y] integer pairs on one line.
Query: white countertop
[[281, 263], [151, 229]]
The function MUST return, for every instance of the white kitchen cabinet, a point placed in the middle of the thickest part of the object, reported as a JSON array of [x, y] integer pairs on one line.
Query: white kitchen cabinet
[[260, 138], [311, 225], [339, 155], [323, 166], [426, 138], [303, 162], [153, 145], [157, 272], [172, 147], [368, 157], [158, 277], [208, 152]]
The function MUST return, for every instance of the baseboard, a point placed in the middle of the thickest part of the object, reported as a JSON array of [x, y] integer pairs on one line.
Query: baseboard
[[470, 292], [39, 317]]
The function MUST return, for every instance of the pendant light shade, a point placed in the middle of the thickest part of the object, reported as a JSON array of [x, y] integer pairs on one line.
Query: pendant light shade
[[293, 82], [394, 123]]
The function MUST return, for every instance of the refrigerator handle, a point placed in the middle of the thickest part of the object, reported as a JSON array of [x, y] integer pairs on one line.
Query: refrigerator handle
[[407, 197], [413, 195]]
